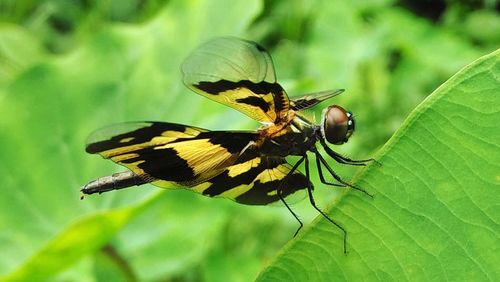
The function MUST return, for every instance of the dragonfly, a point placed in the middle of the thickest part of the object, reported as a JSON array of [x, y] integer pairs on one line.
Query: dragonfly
[[249, 167]]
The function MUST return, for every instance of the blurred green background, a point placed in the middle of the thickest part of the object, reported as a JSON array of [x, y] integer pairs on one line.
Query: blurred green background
[[70, 67]]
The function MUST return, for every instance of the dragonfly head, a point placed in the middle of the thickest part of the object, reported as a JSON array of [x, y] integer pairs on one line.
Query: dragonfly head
[[338, 125]]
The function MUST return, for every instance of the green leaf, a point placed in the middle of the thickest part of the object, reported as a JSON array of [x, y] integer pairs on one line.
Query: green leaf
[[435, 214]]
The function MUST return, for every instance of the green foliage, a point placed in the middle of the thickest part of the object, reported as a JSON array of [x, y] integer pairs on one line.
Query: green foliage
[[84, 236], [69, 67]]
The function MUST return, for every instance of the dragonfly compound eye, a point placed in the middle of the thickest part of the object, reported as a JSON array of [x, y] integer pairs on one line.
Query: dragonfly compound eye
[[338, 125]]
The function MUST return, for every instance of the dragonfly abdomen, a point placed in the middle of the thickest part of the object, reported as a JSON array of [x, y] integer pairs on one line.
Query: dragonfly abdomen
[[115, 181]]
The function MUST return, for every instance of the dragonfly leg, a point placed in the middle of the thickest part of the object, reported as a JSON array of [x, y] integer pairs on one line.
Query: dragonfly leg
[[280, 195], [313, 203]]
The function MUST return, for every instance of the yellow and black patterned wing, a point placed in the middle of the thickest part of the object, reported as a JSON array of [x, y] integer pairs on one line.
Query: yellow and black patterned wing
[[239, 74], [168, 154], [254, 181]]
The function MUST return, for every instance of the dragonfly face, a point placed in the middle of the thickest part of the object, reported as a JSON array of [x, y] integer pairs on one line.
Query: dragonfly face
[[249, 167]]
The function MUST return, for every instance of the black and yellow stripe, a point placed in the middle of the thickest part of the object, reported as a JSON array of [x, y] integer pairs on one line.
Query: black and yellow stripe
[[169, 154], [239, 74], [254, 182], [263, 101], [212, 163]]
